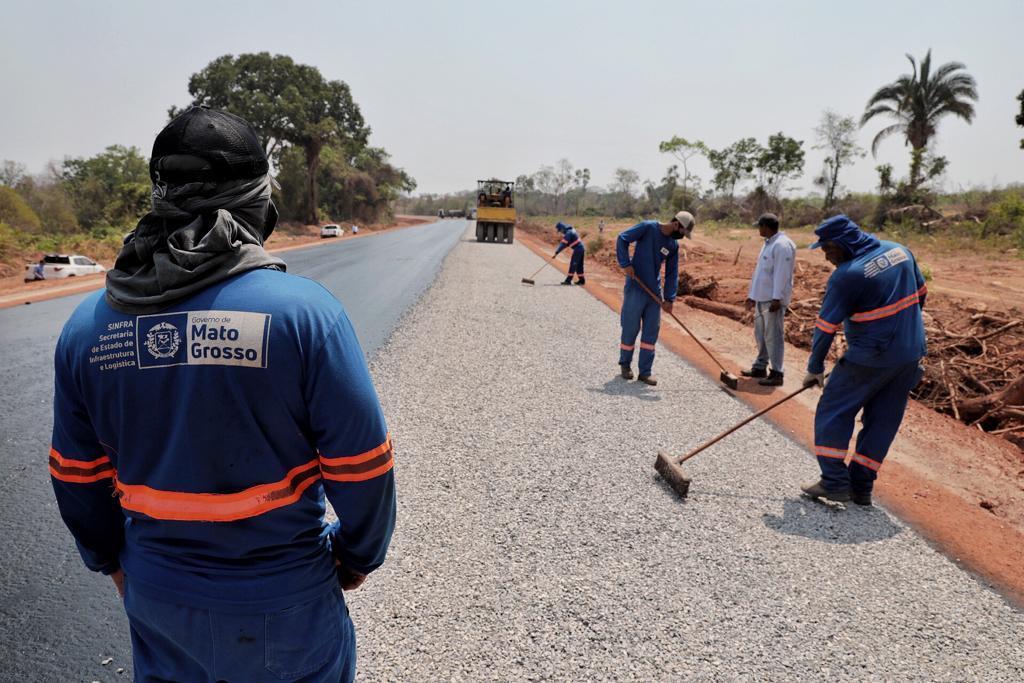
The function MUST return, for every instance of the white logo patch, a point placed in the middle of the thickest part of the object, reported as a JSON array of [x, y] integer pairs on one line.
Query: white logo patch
[[203, 338], [664, 251], [163, 340], [887, 260]]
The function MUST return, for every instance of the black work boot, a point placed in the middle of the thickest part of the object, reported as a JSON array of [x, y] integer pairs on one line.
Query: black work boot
[[648, 379], [774, 379], [818, 490], [755, 372], [861, 497], [626, 372], [567, 281], [581, 280]]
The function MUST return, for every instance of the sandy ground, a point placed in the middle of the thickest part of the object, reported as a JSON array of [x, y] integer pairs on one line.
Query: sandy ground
[[14, 291], [937, 476], [534, 542]]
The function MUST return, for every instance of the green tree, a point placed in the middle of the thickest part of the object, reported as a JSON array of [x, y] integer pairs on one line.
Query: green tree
[[1020, 116], [581, 178], [12, 173], [288, 104], [47, 196], [625, 180], [15, 212], [917, 102], [111, 189], [780, 161], [733, 164], [684, 150], [837, 135]]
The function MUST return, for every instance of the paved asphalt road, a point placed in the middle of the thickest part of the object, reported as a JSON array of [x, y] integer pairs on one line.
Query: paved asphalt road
[[58, 621]]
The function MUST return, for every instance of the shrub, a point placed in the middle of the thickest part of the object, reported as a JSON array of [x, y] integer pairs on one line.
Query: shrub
[[15, 212], [1006, 217]]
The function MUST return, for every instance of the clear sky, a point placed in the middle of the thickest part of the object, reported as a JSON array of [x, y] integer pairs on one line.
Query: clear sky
[[461, 90]]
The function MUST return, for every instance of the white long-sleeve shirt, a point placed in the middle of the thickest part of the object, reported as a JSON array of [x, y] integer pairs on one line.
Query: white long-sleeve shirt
[[773, 276]]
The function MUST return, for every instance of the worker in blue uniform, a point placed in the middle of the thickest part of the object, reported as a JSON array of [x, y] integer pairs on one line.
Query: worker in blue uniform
[[876, 293], [571, 240], [654, 244], [197, 430]]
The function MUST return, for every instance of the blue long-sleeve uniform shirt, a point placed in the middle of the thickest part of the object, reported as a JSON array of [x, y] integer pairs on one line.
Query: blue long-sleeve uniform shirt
[[877, 297], [570, 238], [194, 447], [651, 249]]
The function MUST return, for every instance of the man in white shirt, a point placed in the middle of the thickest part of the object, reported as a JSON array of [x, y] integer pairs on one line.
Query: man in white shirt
[[771, 289]]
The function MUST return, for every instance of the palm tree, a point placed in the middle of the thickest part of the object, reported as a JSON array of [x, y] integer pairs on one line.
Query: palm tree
[[917, 101]]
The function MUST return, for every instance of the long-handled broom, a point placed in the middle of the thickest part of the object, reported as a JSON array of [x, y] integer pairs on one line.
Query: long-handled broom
[[671, 467], [529, 280], [727, 378]]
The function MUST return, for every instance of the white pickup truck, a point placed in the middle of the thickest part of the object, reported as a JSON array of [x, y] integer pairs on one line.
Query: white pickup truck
[[58, 266]]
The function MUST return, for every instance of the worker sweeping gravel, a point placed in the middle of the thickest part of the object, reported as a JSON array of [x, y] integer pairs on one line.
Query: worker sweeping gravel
[[654, 244], [197, 430], [877, 293], [571, 239]]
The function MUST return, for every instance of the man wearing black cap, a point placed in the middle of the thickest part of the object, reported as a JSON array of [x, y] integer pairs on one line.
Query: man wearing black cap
[[876, 293], [771, 289], [196, 431]]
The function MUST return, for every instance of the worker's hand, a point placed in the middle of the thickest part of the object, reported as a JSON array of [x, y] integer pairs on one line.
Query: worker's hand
[[118, 579], [348, 579], [812, 378], [749, 304], [774, 305], [630, 273], [667, 306]]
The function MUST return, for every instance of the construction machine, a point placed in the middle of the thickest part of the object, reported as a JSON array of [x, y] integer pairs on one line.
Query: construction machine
[[495, 210]]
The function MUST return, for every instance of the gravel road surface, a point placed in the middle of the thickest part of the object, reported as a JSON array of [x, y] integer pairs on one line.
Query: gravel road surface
[[58, 621], [534, 542]]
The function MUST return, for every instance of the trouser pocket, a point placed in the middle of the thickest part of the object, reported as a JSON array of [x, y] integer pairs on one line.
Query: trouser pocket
[[305, 638]]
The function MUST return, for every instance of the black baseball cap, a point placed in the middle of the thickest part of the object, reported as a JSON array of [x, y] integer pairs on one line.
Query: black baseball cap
[[769, 220], [207, 145]]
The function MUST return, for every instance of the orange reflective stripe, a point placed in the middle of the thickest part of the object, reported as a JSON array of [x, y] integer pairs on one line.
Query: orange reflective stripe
[[361, 467], [829, 452], [575, 243], [219, 507], [80, 471], [923, 290], [866, 461], [646, 347], [886, 311], [626, 347], [826, 326]]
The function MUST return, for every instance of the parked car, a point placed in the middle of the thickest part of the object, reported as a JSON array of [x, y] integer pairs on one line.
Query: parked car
[[58, 266], [331, 231]]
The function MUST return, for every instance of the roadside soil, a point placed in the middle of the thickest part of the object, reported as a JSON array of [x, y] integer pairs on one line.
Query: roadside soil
[[960, 487], [15, 291]]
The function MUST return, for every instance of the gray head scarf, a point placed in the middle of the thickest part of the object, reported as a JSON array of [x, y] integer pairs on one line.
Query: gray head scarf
[[196, 235]]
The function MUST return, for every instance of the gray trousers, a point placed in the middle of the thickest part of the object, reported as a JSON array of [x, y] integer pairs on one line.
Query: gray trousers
[[770, 336]]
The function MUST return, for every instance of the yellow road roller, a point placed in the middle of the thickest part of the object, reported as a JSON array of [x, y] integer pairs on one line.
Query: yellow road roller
[[495, 210]]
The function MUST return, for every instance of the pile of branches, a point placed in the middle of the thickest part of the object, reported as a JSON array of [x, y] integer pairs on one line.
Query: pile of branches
[[975, 371], [800, 320]]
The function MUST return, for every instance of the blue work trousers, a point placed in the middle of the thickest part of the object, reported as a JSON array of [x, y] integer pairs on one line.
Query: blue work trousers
[[639, 310], [312, 642], [576, 262], [883, 394]]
